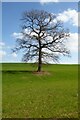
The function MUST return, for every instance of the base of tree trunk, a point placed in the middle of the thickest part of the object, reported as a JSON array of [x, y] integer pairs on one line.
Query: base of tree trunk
[[42, 73], [39, 71]]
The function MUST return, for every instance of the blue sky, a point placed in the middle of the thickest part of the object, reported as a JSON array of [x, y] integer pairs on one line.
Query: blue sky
[[12, 13]]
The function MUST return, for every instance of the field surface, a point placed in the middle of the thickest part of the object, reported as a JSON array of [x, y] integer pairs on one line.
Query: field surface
[[26, 94]]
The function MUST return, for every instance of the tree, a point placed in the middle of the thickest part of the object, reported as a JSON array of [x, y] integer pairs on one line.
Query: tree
[[43, 37]]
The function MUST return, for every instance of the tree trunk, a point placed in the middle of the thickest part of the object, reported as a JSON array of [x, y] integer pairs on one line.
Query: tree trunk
[[39, 60]]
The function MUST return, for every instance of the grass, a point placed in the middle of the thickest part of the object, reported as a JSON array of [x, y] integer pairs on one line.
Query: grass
[[28, 95], [0, 92]]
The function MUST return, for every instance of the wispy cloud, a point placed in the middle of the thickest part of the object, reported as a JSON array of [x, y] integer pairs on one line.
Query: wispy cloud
[[2, 54], [39, 0], [14, 55], [2, 43], [17, 35], [73, 42], [70, 15], [47, 1], [79, 19]]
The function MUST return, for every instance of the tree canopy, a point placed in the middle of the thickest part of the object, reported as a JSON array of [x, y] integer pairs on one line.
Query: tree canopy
[[43, 37]]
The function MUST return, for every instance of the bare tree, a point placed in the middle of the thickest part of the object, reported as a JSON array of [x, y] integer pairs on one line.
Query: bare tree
[[43, 37]]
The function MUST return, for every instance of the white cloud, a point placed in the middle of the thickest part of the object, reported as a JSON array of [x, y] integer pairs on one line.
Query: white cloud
[[69, 61], [17, 35], [79, 19], [2, 43], [14, 55], [70, 15], [38, 0], [46, 1], [2, 53], [73, 42], [20, 35]]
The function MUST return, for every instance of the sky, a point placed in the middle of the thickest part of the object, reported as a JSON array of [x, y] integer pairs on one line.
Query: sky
[[42, 1], [11, 26]]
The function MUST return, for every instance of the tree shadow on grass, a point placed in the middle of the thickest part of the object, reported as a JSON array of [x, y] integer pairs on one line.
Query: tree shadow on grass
[[17, 71], [25, 71]]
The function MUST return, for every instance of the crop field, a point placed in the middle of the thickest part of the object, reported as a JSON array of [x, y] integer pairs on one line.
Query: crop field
[[50, 94]]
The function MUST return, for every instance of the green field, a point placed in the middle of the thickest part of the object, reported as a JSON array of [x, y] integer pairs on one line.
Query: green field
[[30, 95]]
